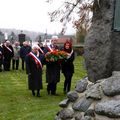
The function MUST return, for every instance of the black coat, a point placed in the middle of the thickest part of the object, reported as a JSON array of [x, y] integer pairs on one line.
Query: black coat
[[52, 72], [52, 69], [8, 54], [24, 50], [34, 74], [67, 65]]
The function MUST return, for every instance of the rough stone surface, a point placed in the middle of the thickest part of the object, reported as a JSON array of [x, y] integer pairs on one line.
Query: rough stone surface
[[77, 116], [82, 104], [64, 103], [111, 86], [90, 112], [102, 57], [94, 92], [116, 51], [89, 108], [98, 43], [72, 95], [81, 85], [66, 114], [108, 108], [87, 118]]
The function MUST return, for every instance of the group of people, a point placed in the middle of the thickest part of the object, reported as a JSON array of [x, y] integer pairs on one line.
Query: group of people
[[12, 53], [34, 59]]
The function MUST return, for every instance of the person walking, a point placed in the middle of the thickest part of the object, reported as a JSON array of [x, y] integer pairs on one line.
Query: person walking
[[34, 71], [68, 66], [52, 71]]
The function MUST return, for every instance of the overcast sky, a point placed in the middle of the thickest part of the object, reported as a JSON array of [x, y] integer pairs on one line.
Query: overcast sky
[[29, 15]]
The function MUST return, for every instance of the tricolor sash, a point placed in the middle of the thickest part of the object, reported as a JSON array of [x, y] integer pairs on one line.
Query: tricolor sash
[[37, 61], [8, 48], [50, 49], [41, 51]]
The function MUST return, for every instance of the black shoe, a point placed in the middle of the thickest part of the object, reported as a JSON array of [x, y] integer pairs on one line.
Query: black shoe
[[38, 95], [55, 94], [48, 91], [33, 93]]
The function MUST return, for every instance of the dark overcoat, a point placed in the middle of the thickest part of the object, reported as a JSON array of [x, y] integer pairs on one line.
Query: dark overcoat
[[8, 54], [52, 69], [52, 72], [34, 74], [67, 65], [24, 50]]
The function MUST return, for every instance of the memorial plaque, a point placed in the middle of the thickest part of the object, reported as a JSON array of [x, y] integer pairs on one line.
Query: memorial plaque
[[116, 22]]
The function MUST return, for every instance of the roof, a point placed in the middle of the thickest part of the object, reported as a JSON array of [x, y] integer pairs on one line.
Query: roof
[[61, 40]]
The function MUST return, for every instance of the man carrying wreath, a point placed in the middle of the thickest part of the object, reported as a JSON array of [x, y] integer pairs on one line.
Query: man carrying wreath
[[52, 70]]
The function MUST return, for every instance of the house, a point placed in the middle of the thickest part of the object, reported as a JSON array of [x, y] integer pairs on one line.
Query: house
[[62, 40]]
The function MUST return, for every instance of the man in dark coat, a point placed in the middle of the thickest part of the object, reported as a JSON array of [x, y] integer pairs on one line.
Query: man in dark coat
[[34, 71], [52, 72], [24, 50], [8, 54]]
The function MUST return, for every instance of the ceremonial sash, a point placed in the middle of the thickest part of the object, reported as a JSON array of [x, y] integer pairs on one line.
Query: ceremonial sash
[[50, 49], [37, 61], [41, 50], [8, 48]]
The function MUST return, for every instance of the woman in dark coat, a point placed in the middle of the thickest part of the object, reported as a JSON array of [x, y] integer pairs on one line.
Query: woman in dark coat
[[52, 72], [34, 71], [68, 66]]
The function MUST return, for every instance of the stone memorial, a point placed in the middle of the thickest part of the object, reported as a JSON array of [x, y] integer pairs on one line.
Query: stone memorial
[[98, 96]]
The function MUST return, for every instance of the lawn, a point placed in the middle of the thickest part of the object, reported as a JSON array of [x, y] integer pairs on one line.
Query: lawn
[[17, 103]]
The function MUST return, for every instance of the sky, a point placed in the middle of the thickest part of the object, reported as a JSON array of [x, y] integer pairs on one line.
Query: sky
[[30, 15]]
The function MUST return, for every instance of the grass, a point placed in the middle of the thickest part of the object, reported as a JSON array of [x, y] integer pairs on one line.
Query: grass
[[17, 103]]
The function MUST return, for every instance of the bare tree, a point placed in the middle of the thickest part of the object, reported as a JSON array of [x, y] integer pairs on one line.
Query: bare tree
[[79, 12]]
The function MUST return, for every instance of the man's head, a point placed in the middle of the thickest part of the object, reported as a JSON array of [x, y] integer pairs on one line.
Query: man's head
[[24, 43], [17, 43], [35, 49], [7, 43]]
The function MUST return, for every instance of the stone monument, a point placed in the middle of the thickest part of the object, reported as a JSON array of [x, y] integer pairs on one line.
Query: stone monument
[[98, 96], [102, 51]]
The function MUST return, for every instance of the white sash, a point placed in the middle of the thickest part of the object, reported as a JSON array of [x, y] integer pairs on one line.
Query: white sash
[[41, 50], [50, 49], [36, 59], [8, 48]]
